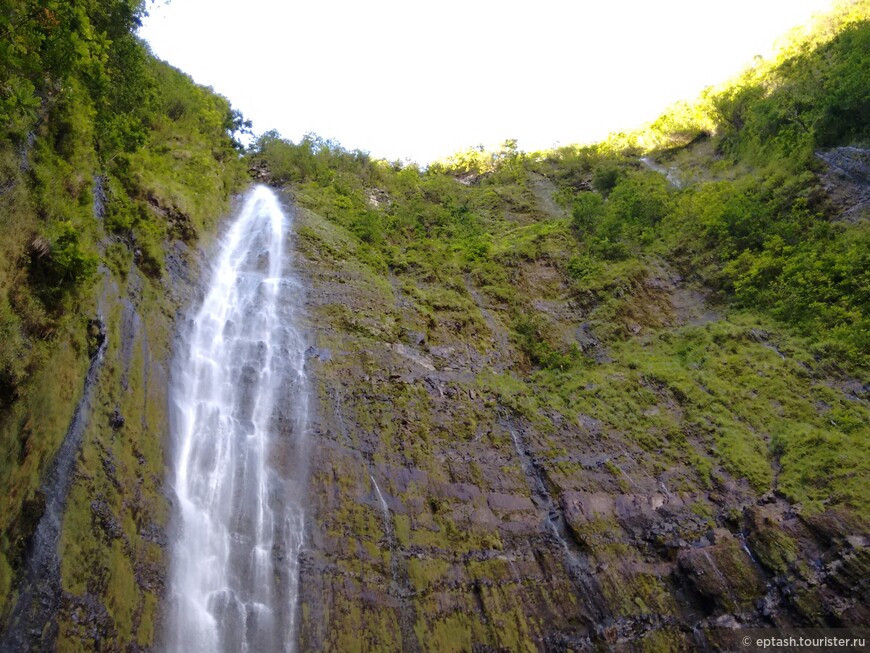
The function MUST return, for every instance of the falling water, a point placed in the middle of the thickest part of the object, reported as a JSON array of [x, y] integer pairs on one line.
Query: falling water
[[238, 425], [381, 501]]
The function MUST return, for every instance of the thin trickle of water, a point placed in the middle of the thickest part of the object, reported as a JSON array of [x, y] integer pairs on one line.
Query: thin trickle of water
[[383, 502], [239, 412], [669, 173], [390, 538], [742, 537], [745, 547], [31, 625], [401, 587], [99, 197], [555, 523]]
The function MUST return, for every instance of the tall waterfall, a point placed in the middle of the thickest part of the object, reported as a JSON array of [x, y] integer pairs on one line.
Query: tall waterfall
[[238, 424]]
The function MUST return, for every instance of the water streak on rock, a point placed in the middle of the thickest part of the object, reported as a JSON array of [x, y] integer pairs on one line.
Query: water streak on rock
[[32, 624]]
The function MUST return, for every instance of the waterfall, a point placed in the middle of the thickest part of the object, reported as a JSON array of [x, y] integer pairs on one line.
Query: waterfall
[[238, 429]]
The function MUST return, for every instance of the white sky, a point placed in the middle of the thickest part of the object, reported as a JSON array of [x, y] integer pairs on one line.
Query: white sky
[[408, 79]]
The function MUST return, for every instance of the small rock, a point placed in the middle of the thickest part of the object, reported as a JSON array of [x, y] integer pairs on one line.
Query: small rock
[[117, 420], [727, 621], [318, 353], [857, 541]]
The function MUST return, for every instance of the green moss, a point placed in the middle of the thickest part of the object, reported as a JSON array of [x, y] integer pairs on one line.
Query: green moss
[[666, 640], [725, 573], [145, 635], [508, 623], [451, 633], [773, 548], [30, 434], [82, 562], [618, 474], [633, 593], [6, 576], [811, 605], [426, 572], [121, 591]]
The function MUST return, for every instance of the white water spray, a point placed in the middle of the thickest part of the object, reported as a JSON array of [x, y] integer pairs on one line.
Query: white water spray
[[238, 424]]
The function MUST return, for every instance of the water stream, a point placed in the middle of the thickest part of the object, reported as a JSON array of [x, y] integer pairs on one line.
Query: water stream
[[670, 174], [238, 419], [555, 523]]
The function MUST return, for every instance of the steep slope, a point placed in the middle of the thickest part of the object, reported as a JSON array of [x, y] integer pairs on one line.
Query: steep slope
[[114, 164], [560, 401], [465, 496], [564, 402]]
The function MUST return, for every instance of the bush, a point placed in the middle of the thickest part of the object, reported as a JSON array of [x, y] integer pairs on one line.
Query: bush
[[605, 178], [588, 209], [534, 340], [61, 264]]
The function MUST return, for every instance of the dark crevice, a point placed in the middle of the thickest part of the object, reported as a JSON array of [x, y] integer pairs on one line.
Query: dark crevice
[[558, 534], [31, 624]]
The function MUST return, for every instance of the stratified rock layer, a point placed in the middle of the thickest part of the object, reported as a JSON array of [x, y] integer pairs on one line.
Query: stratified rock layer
[[455, 505]]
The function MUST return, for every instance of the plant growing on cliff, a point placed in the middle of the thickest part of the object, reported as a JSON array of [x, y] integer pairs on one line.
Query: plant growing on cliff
[[61, 263]]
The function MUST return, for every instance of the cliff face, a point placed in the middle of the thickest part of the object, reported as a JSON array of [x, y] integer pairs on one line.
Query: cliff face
[[461, 499], [580, 398], [105, 581], [116, 169], [560, 401]]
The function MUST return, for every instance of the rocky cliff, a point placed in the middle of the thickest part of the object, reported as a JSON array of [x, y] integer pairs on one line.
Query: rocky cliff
[[116, 170], [593, 398], [462, 499]]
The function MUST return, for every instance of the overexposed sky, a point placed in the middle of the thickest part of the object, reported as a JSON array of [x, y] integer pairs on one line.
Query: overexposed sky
[[420, 80]]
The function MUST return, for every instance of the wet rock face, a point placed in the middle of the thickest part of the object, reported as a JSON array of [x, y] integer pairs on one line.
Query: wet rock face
[[92, 541], [449, 512], [847, 180], [31, 623], [721, 573]]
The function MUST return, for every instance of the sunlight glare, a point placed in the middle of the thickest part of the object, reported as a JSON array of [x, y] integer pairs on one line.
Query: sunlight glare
[[422, 80]]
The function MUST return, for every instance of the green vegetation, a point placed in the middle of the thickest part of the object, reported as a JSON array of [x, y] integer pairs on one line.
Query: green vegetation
[[106, 155], [785, 279], [711, 335]]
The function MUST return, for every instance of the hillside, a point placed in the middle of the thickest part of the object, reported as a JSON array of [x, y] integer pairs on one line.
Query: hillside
[[600, 396], [568, 400], [113, 166]]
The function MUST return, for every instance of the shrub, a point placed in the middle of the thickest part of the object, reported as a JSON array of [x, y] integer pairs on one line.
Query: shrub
[[60, 264]]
